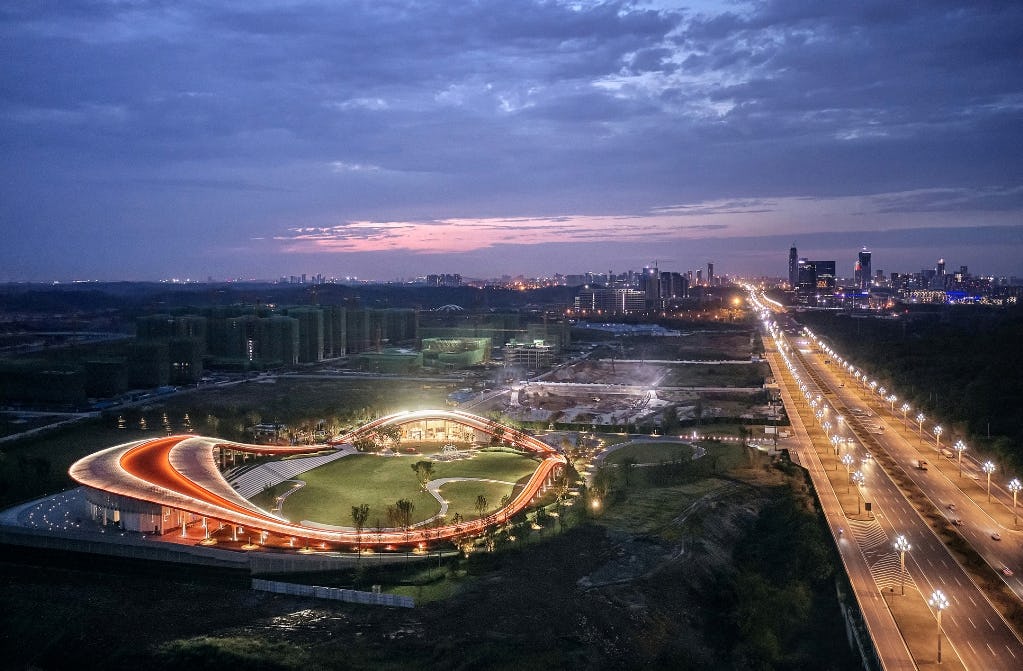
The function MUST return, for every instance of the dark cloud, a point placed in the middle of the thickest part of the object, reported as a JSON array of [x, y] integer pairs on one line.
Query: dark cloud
[[238, 119]]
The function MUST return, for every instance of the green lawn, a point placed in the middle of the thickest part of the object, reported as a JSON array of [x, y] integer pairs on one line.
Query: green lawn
[[650, 453], [461, 497], [331, 490]]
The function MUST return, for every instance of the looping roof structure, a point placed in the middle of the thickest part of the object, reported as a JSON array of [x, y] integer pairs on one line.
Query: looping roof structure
[[181, 472]]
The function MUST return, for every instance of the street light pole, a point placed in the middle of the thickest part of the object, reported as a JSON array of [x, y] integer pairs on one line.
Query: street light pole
[[1014, 486], [989, 468], [920, 424], [937, 440], [858, 478], [939, 602], [902, 546], [847, 461], [960, 447], [905, 409]]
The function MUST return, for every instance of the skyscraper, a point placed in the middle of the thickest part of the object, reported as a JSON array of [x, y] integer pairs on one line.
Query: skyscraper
[[793, 266], [862, 275]]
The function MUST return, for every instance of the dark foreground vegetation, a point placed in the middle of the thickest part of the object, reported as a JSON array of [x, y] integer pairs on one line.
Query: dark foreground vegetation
[[725, 570], [963, 365]]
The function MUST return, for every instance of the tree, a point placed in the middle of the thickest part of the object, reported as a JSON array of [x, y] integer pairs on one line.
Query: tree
[[481, 505], [628, 465], [424, 472], [669, 420], [391, 432], [364, 444], [403, 514], [601, 483], [542, 517], [360, 515]]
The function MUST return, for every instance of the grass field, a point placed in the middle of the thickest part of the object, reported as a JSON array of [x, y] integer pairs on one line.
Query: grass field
[[650, 453], [331, 490]]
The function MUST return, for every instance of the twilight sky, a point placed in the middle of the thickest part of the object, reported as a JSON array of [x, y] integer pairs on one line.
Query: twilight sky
[[383, 139]]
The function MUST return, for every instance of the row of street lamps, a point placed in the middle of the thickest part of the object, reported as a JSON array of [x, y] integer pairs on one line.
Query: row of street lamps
[[1014, 485], [821, 411], [938, 601]]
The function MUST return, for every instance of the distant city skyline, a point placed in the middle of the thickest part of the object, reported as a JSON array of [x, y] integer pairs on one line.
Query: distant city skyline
[[144, 141]]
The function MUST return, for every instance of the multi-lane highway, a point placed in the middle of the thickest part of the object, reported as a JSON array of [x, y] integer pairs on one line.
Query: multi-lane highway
[[976, 633]]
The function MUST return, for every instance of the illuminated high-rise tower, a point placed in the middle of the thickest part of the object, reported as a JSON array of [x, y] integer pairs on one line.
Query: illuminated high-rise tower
[[862, 275], [793, 266]]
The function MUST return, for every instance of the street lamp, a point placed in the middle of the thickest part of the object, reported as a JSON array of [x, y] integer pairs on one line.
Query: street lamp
[[905, 409], [892, 399], [835, 442], [902, 546], [847, 460], [989, 468], [960, 447], [858, 478], [939, 602], [920, 423], [1014, 486], [937, 439], [827, 428]]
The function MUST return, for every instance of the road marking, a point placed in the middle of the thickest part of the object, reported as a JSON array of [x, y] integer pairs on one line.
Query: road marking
[[991, 649], [972, 622], [957, 581], [989, 624], [971, 600], [1010, 651]]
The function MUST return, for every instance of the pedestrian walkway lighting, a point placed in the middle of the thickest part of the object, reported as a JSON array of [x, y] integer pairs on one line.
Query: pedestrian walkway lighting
[[989, 468], [847, 460], [892, 399], [835, 442], [920, 423], [1014, 486], [937, 439], [938, 602], [960, 447], [905, 409], [902, 546]]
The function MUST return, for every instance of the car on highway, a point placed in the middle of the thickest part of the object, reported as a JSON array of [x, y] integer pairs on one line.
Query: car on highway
[[957, 522], [1006, 571], [951, 506], [996, 536]]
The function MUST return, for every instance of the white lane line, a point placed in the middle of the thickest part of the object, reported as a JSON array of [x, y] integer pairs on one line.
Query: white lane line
[[972, 622], [1010, 651], [989, 624]]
